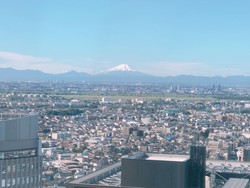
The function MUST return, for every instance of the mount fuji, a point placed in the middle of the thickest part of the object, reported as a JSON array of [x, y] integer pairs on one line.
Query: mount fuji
[[122, 67], [123, 73]]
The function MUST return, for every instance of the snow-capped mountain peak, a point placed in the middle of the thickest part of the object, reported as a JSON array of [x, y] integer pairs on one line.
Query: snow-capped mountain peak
[[122, 67]]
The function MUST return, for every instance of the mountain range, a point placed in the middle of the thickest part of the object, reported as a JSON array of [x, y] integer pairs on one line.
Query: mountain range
[[122, 73]]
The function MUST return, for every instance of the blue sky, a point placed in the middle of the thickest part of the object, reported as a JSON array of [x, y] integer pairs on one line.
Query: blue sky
[[159, 37]]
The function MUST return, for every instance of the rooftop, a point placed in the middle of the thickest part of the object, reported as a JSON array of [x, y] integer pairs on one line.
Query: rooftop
[[96, 173], [159, 157], [211, 165], [235, 182], [9, 116], [168, 157]]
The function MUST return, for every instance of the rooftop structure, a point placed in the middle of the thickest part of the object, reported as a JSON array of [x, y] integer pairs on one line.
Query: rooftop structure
[[168, 157], [227, 166], [156, 170], [9, 116], [235, 182], [157, 157], [215, 166], [95, 177]]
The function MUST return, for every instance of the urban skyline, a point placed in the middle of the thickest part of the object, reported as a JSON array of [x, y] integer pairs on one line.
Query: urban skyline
[[86, 128]]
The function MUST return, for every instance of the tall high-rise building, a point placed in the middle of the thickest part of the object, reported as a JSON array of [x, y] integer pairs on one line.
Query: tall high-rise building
[[156, 170], [198, 164], [20, 151], [165, 170]]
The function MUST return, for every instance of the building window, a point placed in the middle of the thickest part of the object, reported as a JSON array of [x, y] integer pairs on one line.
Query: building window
[[31, 179], [19, 167], [18, 154], [3, 170], [13, 181], [14, 168], [8, 182], [8, 168], [23, 167], [3, 182]]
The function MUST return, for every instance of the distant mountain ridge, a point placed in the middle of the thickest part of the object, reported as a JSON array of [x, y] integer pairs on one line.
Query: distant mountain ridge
[[120, 74]]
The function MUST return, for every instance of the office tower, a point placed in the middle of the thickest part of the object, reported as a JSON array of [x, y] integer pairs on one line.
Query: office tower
[[20, 151], [156, 170], [198, 164]]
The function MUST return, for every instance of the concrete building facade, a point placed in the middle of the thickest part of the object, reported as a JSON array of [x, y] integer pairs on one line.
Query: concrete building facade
[[20, 151], [156, 170]]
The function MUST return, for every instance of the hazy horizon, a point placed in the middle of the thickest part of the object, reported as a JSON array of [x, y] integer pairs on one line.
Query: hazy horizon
[[160, 38]]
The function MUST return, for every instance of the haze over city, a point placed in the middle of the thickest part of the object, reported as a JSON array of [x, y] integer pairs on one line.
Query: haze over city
[[163, 38], [132, 93]]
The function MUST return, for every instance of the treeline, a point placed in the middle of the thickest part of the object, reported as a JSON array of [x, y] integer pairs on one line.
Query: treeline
[[232, 97], [65, 112]]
